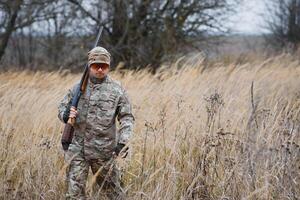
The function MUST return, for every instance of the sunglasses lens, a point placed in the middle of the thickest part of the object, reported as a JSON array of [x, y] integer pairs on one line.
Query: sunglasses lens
[[104, 66], [98, 66]]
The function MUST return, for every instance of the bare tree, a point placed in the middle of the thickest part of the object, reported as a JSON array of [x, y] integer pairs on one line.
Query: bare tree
[[18, 14], [284, 23], [9, 12], [147, 31]]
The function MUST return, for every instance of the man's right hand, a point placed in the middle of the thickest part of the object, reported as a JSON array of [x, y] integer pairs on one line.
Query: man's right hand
[[73, 112]]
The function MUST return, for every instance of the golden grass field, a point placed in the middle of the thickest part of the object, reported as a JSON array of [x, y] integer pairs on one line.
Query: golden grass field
[[200, 133]]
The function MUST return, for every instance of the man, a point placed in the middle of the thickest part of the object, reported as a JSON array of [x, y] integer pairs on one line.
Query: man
[[96, 141]]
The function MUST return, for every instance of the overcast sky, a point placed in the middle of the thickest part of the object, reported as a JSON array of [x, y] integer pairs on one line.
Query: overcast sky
[[249, 19]]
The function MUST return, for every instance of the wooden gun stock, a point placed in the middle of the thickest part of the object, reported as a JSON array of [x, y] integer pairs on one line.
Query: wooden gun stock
[[68, 133]]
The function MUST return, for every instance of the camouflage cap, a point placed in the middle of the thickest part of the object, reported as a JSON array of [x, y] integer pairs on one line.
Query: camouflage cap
[[98, 55]]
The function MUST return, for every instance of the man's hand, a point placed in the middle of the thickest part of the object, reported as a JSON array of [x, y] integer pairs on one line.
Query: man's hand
[[120, 149], [73, 112]]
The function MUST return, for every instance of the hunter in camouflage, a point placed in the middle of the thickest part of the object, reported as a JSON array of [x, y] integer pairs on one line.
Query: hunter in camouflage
[[96, 140]]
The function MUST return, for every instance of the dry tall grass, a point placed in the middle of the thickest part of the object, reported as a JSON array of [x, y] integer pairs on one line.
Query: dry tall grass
[[199, 134]]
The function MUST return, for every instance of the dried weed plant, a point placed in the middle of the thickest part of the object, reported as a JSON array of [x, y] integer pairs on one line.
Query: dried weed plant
[[226, 132]]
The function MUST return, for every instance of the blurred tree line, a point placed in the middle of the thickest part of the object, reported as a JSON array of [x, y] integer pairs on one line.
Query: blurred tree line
[[284, 23], [58, 33]]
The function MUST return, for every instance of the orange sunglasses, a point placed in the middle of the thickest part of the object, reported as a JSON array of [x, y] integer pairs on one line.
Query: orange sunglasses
[[97, 66]]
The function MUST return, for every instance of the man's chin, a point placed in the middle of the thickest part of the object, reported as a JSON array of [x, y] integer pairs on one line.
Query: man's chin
[[99, 76]]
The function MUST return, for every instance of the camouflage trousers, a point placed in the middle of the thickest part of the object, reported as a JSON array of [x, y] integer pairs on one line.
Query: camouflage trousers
[[105, 173]]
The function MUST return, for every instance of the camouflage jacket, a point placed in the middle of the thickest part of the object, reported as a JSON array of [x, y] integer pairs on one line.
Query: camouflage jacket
[[95, 133]]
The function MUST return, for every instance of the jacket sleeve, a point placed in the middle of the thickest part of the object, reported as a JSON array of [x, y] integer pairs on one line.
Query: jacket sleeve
[[125, 118], [65, 104]]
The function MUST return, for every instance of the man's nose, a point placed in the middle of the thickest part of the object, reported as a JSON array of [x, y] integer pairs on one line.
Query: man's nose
[[100, 69]]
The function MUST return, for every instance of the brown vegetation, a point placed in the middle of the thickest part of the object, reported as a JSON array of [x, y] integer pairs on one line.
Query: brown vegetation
[[226, 132]]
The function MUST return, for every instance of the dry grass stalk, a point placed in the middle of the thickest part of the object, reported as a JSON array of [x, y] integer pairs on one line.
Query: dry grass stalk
[[199, 133]]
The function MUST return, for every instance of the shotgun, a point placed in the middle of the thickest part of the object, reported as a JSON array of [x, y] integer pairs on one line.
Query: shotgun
[[68, 131]]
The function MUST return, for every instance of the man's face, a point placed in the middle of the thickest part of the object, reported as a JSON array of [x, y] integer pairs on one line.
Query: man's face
[[99, 70]]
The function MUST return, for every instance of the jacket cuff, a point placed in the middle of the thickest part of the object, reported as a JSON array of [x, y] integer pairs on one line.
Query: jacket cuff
[[123, 140]]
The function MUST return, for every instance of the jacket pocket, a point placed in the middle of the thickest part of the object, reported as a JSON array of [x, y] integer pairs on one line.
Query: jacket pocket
[[105, 107]]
